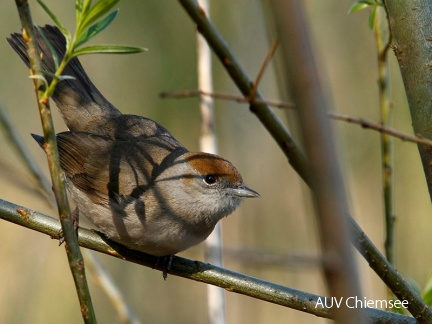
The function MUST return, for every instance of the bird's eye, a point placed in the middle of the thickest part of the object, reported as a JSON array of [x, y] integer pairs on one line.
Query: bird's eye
[[210, 179]]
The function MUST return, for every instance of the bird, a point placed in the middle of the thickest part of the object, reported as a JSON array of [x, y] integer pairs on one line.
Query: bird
[[126, 173]]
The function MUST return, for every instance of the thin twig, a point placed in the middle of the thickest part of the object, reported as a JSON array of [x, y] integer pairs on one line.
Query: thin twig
[[382, 129], [191, 269], [225, 96], [266, 61], [76, 262]]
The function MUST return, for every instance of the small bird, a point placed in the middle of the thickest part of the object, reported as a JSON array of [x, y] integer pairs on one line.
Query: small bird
[[127, 174]]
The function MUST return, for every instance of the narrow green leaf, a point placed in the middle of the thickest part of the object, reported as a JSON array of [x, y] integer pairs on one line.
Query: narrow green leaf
[[54, 18], [108, 49], [96, 28], [359, 5], [372, 17], [86, 6], [52, 75], [100, 9]]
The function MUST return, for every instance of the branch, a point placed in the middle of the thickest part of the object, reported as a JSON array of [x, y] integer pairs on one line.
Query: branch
[[190, 269]]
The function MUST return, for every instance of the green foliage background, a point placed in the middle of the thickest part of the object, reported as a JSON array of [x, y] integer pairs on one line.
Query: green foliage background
[[34, 276]]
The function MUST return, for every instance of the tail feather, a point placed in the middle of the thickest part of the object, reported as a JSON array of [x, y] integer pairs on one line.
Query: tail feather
[[39, 139], [80, 102]]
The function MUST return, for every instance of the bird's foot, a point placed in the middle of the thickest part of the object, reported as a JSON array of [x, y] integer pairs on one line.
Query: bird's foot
[[165, 263]]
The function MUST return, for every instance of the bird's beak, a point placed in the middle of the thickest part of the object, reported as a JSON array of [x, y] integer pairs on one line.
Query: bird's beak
[[245, 192]]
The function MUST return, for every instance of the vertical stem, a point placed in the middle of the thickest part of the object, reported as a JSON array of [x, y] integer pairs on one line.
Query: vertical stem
[[76, 262], [208, 143], [382, 44]]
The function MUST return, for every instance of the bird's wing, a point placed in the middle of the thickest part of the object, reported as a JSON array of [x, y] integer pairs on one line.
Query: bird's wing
[[107, 170]]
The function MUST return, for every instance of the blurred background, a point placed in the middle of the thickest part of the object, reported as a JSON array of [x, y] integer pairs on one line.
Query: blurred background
[[36, 285]]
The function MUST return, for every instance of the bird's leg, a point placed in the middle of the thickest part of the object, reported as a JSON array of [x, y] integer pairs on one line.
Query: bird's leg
[[165, 263], [75, 222]]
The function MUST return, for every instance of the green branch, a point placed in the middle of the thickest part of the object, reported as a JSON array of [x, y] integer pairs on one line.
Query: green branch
[[75, 258]]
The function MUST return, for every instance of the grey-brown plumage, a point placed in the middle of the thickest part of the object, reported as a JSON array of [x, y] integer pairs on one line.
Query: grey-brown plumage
[[128, 174]]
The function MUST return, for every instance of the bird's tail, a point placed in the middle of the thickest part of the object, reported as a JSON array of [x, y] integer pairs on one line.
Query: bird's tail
[[82, 105]]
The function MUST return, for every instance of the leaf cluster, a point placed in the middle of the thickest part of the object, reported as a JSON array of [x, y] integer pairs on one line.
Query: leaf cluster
[[91, 19]]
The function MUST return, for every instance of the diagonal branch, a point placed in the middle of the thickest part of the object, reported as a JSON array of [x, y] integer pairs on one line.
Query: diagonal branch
[[268, 118]]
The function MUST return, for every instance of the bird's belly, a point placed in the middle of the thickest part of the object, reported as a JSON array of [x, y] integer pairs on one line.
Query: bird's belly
[[157, 235]]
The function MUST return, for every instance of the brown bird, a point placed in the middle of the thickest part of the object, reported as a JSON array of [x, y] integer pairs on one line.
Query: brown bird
[[127, 174]]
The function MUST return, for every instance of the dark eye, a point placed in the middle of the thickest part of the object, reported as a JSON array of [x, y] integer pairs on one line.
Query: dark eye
[[210, 179]]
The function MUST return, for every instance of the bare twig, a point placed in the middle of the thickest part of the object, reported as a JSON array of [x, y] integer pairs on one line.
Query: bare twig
[[224, 96], [382, 129], [267, 60]]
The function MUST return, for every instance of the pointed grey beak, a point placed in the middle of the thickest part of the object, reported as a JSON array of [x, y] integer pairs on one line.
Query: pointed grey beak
[[244, 192]]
